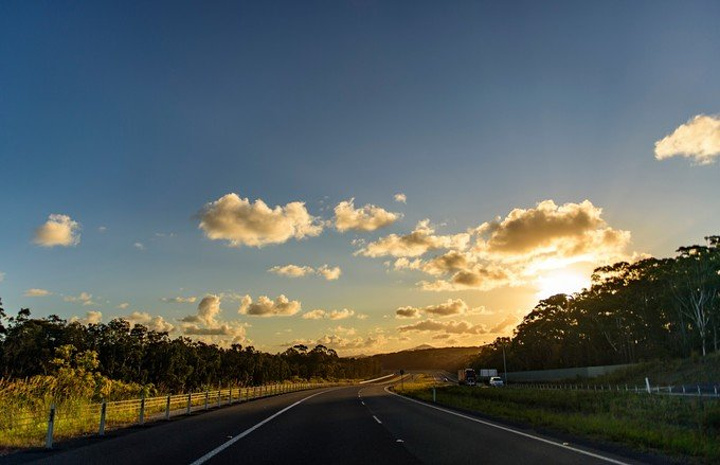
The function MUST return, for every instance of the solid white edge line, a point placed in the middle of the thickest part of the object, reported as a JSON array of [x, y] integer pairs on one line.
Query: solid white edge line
[[232, 441], [377, 419], [509, 430]]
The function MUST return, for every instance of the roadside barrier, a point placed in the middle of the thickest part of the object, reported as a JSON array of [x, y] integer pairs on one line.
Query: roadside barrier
[[71, 419], [692, 390]]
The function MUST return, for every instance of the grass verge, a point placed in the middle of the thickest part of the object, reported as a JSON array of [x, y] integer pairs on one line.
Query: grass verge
[[685, 428]]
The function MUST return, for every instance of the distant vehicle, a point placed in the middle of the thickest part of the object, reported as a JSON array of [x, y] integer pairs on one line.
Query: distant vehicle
[[467, 377], [484, 375], [496, 381]]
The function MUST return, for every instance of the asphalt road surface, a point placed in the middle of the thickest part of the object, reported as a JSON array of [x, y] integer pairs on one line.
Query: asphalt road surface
[[352, 425]]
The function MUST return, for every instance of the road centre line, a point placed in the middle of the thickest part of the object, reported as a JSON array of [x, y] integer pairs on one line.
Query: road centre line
[[232, 441], [510, 430]]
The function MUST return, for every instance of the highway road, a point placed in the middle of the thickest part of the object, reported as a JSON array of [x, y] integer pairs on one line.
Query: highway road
[[364, 424]]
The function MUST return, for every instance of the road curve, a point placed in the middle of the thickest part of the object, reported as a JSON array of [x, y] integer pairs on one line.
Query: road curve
[[351, 425]]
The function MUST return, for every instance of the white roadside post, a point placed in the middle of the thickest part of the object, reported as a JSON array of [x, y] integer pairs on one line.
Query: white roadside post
[[141, 420], [207, 396], [167, 408], [647, 385], [103, 412], [50, 428]]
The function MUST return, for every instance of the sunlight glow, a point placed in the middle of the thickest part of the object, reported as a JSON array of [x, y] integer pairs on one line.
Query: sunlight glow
[[563, 282]]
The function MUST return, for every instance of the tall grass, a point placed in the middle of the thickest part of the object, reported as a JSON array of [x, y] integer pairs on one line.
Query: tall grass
[[683, 427]]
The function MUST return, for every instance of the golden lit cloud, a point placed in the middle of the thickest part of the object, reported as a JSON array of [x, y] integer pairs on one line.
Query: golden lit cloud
[[84, 298], [319, 314], [179, 300], [207, 311], [92, 317], [367, 218], [415, 244], [153, 323], [698, 139], [36, 293], [240, 222], [58, 230], [281, 306], [449, 327], [297, 271]]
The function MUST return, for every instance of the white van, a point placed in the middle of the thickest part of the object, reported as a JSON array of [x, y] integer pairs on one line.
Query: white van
[[496, 381]]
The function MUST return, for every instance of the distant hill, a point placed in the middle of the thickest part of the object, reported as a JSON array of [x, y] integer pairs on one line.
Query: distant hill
[[427, 357]]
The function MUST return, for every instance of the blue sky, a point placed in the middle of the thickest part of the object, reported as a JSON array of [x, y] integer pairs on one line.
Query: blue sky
[[135, 117]]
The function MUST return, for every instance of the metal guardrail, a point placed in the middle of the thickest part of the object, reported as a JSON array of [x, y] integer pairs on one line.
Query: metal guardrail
[[695, 390], [75, 419]]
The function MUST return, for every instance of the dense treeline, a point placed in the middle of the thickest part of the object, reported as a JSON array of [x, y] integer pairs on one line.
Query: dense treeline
[[650, 309], [31, 346]]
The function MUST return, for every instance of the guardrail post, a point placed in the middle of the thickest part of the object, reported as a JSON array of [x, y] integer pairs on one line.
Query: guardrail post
[[141, 419], [50, 428], [219, 398], [167, 408], [434, 395], [207, 397], [103, 412], [189, 404]]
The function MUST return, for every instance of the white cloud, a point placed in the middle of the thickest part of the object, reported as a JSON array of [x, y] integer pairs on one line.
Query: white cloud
[[84, 298], [240, 222], [698, 139], [102, 229], [450, 327], [91, 317], [281, 306], [400, 198], [366, 218], [139, 245], [208, 309], [36, 292], [179, 300], [2, 276], [415, 244], [58, 230], [123, 306]]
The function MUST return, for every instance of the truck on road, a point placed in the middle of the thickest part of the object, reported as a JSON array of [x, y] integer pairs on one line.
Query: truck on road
[[467, 377], [485, 375]]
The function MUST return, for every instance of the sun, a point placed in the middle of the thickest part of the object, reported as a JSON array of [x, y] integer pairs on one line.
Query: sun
[[560, 283]]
